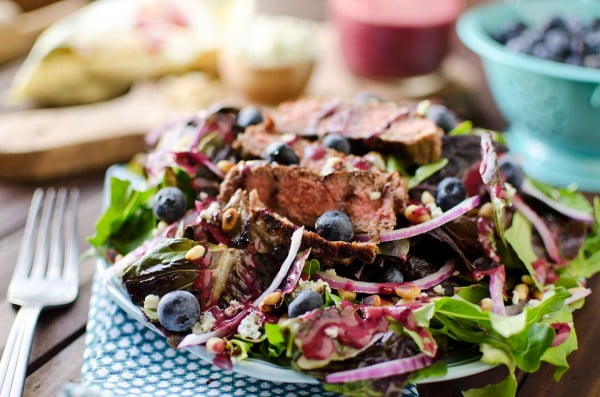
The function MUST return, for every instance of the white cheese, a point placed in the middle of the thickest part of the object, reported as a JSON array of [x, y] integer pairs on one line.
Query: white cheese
[[151, 302], [250, 326], [205, 323]]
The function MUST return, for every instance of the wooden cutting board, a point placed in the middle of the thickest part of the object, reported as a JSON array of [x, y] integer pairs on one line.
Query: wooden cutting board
[[42, 144]]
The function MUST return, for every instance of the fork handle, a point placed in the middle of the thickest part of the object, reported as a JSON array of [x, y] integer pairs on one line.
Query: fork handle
[[13, 366]]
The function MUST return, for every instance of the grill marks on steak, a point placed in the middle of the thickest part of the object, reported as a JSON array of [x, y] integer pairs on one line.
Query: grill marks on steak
[[386, 126], [268, 232], [371, 199]]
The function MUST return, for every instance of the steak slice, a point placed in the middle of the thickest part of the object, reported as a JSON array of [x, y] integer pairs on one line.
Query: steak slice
[[385, 125], [371, 199], [270, 233]]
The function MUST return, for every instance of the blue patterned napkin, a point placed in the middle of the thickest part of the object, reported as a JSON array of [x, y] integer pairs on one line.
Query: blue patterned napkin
[[123, 357]]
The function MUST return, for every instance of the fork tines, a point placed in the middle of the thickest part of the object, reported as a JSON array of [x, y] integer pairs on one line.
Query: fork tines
[[50, 233]]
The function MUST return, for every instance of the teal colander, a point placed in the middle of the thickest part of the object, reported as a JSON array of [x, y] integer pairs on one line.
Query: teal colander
[[553, 108]]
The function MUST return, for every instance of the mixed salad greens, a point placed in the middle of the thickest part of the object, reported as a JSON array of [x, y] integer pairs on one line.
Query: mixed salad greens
[[482, 259]]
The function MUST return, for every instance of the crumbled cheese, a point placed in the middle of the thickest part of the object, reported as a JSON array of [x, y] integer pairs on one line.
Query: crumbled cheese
[[434, 210], [332, 331], [308, 285], [205, 323], [375, 195], [151, 302], [438, 289], [234, 308], [210, 213], [250, 326], [515, 298]]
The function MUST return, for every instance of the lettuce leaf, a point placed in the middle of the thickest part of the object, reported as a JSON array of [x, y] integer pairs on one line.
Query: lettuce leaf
[[518, 235], [568, 196], [127, 221], [425, 171], [523, 338], [505, 388]]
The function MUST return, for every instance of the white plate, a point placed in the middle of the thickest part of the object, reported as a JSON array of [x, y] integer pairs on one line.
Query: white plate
[[458, 367]]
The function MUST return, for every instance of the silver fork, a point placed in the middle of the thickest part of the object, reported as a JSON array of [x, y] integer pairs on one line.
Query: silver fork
[[46, 275]]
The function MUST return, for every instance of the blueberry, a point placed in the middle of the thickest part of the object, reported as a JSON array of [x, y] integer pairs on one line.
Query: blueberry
[[281, 153], [305, 301], [337, 142], [553, 22], [557, 42], [335, 226], [511, 171], [539, 50], [449, 192], [249, 115], [525, 41], [178, 311], [577, 46], [442, 117], [170, 204], [514, 29], [393, 275], [592, 42]]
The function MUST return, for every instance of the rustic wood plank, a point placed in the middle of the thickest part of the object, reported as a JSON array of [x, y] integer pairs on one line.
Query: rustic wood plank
[[62, 368], [582, 378]]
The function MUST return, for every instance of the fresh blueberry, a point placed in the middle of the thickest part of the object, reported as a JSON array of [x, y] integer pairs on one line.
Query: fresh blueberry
[[249, 115], [393, 275], [592, 42], [539, 50], [577, 46], [281, 153], [335, 226], [170, 204], [557, 42], [512, 172], [553, 22], [337, 142], [449, 192], [525, 41], [305, 301], [442, 117], [178, 310], [514, 29]]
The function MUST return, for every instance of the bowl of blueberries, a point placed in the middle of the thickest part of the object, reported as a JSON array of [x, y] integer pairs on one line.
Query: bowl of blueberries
[[542, 62]]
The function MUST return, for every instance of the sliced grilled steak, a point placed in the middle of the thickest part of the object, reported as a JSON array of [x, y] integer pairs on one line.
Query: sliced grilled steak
[[386, 126], [254, 142], [268, 232], [371, 199]]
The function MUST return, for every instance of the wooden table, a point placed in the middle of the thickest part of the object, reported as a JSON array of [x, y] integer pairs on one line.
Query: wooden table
[[59, 342]]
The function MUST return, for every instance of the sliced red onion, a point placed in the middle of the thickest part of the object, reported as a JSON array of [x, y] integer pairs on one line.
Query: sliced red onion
[[411, 231], [382, 370], [529, 189], [488, 167], [497, 280], [285, 266], [338, 282], [541, 227], [226, 329], [578, 295], [295, 272], [563, 330], [182, 159]]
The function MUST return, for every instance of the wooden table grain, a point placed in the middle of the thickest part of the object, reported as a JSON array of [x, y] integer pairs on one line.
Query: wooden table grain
[[57, 351]]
